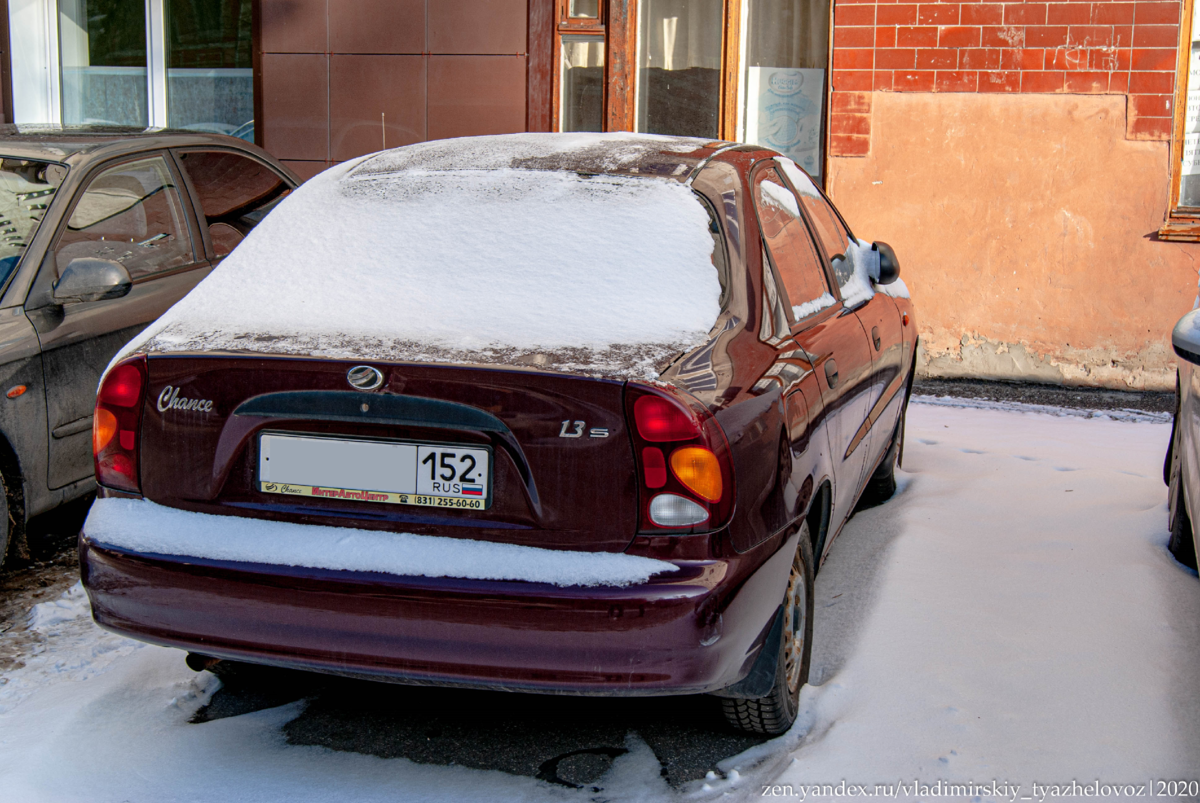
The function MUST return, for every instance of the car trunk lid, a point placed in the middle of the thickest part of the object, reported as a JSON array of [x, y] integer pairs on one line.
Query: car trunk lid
[[559, 471]]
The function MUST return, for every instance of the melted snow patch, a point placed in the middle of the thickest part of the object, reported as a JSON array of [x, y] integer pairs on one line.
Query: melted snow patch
[[142, 526]]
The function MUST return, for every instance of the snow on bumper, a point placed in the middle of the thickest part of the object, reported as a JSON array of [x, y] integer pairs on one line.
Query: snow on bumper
[[139, 525]]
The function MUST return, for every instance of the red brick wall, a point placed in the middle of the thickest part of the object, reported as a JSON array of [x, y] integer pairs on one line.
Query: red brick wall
[[1080, 47]]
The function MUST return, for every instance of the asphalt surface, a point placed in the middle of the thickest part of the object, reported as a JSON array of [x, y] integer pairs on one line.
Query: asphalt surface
[[1050, 395], [565, 740]]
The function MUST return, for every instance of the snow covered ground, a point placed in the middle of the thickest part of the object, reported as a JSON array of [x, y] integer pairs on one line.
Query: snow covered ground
[[1011, 615]]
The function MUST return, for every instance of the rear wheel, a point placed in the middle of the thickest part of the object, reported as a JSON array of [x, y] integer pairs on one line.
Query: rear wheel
[[1181, 544], [774, 713]]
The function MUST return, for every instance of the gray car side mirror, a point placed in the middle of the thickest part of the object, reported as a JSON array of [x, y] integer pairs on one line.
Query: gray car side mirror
[[89, 279], [889, 266], [1185, 338]]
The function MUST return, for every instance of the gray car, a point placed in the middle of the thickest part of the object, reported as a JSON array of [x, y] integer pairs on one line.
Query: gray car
[[101, 230], [1181, 471]]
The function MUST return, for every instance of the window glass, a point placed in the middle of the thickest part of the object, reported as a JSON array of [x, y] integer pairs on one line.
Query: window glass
[[102, 50], [786, 51], [679, 67], [833, 235], [210, 82], [581, 106], [1189, 184], [129, 214], [235, 193], [589, 9], [790, 246], [27, 189]]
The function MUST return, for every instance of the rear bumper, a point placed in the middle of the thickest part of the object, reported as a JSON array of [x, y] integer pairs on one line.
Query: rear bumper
[[696, 632]]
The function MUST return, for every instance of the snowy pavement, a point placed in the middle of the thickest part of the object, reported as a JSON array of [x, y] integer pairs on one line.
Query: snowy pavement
[[1011, 615]]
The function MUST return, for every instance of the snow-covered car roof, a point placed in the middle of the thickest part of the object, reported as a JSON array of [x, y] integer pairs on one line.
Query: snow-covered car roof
[[609, 154], [447, 252]]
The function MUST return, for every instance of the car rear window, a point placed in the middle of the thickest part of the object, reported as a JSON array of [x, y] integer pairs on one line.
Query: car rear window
[[474, 264]]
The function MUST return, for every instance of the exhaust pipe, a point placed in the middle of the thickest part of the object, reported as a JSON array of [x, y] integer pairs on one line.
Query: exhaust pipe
[[198, 663]]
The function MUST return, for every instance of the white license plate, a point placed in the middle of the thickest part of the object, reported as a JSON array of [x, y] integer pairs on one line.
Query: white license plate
[[429, 474]]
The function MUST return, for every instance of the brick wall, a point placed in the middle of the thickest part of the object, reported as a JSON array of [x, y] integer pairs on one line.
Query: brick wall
[[1069, 47]]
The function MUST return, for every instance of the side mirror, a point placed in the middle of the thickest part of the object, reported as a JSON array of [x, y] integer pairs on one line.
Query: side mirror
[[1186, 337], [889, 266], [88, 279]]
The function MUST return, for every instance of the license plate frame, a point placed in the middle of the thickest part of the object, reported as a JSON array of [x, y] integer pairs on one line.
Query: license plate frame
[[379, 454]]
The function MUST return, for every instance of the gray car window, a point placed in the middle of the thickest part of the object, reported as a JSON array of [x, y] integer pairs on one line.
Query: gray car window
[[130, 214], [235, 193], [27, 188]]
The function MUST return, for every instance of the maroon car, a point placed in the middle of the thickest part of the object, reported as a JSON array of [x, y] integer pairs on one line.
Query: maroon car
[[577, 414]]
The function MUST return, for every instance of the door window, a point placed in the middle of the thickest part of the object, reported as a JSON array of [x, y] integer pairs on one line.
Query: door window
[[129, 214], [790, 245], [235, 193]]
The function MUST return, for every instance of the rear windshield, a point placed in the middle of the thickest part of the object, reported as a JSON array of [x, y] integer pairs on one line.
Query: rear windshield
[[27, 188], [465, 264]]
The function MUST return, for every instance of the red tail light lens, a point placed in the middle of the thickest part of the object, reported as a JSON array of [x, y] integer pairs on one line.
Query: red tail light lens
[[685, 473], [116, 424], [659, 420]]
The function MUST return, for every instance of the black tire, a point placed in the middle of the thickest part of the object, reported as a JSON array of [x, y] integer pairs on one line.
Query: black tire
[[1181, 544], [6, 525], [882, 484], [774, 714]]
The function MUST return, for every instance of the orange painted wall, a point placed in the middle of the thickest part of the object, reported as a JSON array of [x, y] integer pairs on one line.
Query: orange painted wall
[[1025, 229]]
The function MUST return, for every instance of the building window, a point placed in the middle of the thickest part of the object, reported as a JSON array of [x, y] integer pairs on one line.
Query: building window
[[157, 63], [1183, 219], [679, 67], [748, 70], [102, 53], [581, 43], [210, 83]]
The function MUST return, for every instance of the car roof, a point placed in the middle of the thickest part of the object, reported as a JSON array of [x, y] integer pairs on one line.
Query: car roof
[[61, 143], [587, 153]]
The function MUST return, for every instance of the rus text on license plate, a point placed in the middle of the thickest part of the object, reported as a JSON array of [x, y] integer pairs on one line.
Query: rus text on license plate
[[398, 473]]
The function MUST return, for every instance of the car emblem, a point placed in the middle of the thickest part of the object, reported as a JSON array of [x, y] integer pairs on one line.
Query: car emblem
[[364, 377]]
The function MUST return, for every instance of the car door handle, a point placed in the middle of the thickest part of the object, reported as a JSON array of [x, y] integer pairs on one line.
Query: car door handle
[[875, 337], [831, 373]]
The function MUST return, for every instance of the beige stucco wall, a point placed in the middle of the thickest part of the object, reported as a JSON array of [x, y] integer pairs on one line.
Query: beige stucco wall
[[1025, 229]]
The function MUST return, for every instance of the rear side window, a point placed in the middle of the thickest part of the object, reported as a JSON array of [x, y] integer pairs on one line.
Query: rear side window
[[790, 245], [235, 193], [130, 214]]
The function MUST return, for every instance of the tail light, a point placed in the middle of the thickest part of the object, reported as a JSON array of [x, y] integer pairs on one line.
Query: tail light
[[117, 423], [685, 474]]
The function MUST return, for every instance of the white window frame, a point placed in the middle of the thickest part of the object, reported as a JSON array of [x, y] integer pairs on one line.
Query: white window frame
[[36, 66]]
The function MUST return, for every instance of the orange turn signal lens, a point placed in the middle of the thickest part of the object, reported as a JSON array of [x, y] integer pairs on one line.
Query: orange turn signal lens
[[697, 468], [104, 428]]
